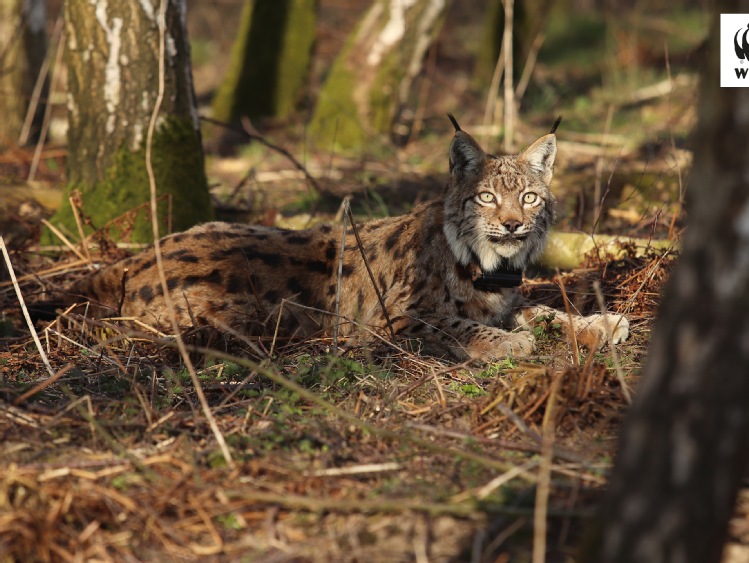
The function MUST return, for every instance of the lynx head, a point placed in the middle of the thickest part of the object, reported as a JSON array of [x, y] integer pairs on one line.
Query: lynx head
[[499, 207]]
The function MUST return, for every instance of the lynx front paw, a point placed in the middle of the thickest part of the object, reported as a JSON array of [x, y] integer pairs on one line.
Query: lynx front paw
[[515, 344], [603, 329]]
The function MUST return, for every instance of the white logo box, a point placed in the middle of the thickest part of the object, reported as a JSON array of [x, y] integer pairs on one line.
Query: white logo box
[[734, 50]]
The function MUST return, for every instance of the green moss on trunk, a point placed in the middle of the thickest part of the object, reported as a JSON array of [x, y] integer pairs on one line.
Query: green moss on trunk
[[335, 123], [270, 60], [341, 120], [383, 96], [178, 167], [370, 82], [296, 57]]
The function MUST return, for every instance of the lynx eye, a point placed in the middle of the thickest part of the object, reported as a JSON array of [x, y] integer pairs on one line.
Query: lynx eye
[[486, 197], [530, 197]]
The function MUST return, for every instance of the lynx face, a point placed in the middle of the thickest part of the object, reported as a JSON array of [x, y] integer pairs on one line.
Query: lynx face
[[499, 207]]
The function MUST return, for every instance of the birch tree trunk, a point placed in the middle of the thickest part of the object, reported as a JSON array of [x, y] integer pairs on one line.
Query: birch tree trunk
[[112, 49], [270, 60], [368, 93], [23, 46], [685, 444]]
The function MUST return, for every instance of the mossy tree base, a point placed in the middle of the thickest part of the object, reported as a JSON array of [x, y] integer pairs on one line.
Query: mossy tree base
[[113, 81], [178, 170]]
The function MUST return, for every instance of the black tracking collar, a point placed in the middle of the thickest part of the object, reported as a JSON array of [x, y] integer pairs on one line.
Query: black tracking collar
[[499, 278]]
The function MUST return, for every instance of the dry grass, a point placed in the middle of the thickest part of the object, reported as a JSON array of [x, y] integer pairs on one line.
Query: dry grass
[[376, 454]]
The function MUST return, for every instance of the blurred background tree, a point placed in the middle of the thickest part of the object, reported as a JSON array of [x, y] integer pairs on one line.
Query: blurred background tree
[[270, 61], [528, 22], [370, 86], [23, 47]]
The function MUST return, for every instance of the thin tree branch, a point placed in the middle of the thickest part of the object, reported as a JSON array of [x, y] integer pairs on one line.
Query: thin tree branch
[[369, 271], [263, 141]]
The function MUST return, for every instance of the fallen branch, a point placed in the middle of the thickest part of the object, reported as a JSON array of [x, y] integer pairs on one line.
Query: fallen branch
[[566, 250]]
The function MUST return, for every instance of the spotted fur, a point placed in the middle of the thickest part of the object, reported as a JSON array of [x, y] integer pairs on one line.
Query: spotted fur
[[241, 278]]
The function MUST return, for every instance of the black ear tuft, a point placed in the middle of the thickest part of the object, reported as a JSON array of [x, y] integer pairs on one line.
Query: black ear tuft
[[556, 124], [466, 156], [454, 122]]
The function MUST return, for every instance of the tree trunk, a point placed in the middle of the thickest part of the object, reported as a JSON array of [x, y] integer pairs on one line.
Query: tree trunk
[[113, 82], [23, 46], [270, 60], [684, 446], [529, 19], [368, 92]]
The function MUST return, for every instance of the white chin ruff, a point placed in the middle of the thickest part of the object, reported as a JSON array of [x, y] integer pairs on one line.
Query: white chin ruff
[[490, 254], [517, 253]]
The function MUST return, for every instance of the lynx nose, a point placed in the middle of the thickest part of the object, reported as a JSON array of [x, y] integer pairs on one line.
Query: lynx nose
[[512, 225]]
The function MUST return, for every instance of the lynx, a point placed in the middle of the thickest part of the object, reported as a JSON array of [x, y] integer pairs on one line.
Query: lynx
[[447, 272]]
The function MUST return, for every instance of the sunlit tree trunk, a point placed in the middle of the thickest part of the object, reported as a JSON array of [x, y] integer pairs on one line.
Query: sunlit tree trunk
[[270, 60], [23, 46], [685, 444], [112, 55], [369, 92]]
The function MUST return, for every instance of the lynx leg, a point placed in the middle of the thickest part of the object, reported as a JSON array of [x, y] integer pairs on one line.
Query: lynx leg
[[467, 339], [593, 331]]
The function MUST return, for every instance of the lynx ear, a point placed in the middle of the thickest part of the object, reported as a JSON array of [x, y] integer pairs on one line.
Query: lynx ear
[[466, 156], [540, 156]]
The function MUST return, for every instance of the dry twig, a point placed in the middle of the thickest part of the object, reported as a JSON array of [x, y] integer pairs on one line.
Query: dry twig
[[369, 271], [543, 487], [263, 141], [612, 347], [157, 247], [19, 295], [47, 110]]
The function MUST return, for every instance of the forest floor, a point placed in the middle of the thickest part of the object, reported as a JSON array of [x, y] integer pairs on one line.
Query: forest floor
[[371, 453]]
